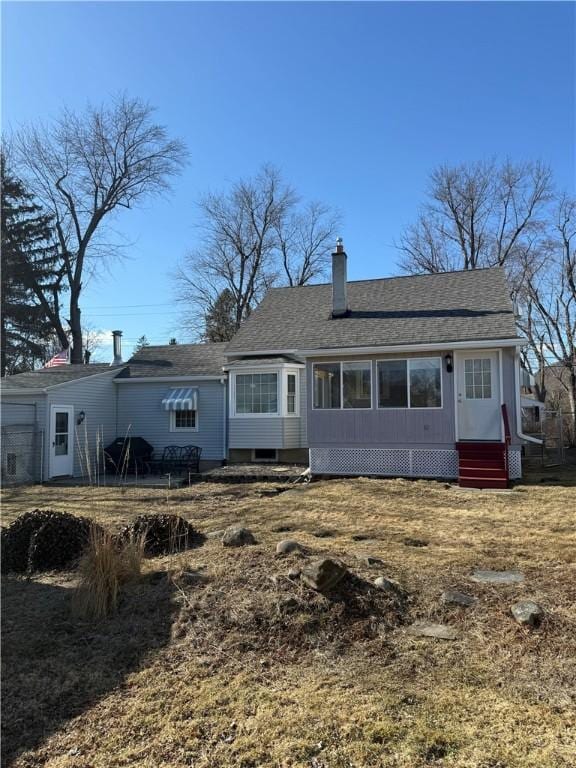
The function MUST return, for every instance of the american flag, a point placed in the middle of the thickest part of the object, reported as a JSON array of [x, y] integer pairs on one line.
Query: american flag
[[60, 359]]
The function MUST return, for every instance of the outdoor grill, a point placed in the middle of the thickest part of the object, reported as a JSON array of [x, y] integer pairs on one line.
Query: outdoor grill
[[128, 454]]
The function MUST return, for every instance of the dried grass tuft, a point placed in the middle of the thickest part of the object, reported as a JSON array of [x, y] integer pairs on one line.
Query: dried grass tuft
[[105, 566]]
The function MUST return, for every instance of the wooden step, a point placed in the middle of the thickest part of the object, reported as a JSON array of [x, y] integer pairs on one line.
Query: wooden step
[[470, 463], [482, 482], [482, 472]]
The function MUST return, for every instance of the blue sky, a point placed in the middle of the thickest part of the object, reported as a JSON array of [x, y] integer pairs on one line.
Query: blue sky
[[355, 102]]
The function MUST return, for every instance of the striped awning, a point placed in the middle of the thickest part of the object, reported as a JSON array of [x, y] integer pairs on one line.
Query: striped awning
[[181, 400]]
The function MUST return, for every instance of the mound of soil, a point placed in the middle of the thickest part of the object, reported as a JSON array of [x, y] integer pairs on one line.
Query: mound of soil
[[164, 534], [43, 540], [250, 606]]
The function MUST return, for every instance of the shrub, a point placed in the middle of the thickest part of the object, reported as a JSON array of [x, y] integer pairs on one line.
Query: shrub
[[163, 534]]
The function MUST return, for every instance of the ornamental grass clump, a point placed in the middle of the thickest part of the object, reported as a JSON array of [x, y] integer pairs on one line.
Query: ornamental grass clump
[[106, 565]]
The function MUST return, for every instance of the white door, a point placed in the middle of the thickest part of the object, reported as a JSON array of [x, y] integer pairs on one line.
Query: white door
[[61, 440], [478, 396]]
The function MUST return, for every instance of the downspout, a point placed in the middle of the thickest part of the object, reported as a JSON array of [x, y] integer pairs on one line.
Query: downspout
[[519, 432], [224, 382]]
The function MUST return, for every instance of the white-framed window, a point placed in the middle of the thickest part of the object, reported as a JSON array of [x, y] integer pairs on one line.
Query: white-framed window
[[265, 393], [342, 385], [478, 378], [183, 421], [414, 382]]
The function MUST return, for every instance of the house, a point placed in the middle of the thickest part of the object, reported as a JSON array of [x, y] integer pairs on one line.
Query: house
[[412, 376]]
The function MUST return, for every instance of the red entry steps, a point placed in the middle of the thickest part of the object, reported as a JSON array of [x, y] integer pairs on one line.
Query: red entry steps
[[482, 464]]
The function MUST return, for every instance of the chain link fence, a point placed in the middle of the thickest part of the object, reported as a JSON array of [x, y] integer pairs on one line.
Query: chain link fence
[[21, 454]]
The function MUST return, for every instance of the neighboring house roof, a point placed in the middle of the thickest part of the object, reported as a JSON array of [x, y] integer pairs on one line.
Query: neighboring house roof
[[176, 360], [50, 377], [454, 306]]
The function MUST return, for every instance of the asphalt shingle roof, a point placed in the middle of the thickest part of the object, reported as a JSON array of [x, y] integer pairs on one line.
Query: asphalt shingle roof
[[176, 360], [49, 377], [448, 307]]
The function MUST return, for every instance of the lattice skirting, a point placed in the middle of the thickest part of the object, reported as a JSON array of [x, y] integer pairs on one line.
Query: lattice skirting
[[514, 463], [396, 462]]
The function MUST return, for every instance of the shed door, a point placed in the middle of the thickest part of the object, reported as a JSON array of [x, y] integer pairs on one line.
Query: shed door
[[61, 440], [478, 396]]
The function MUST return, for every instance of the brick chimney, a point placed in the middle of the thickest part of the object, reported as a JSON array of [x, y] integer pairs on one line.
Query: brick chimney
[[340, 306]]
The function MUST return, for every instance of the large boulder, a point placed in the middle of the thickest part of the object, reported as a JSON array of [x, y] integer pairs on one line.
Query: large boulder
[[236, 536], [323, 575]]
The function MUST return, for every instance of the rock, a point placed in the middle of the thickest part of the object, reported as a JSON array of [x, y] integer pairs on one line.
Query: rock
[[288, 604], [389, 585], [294, 574], [361, 536], [282, 528], [371, 561], [323, 533], [461, 599], [496, 577], [237, 537], [288, 546], [527, 613], [428, 629], [409, 542], [323, 575], [215, 534]]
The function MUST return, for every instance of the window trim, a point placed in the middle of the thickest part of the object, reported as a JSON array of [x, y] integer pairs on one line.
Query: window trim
[[174, 428], [282, 373], [410, 407], [340, 363]]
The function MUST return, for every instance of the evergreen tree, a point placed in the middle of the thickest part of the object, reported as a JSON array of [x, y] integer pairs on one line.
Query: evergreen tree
[[141, 343], [27, 255], [221, 317]]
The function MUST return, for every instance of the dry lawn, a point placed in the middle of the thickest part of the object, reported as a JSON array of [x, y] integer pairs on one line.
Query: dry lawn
[[211, 663]]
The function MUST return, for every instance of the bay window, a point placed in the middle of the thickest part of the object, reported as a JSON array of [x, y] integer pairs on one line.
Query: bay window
[[257, 393]]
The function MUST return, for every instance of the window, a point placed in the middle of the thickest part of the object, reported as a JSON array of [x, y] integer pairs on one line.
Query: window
[[425, 386], [183, 420], [393, 384], [257, 393], [291, 393], [265, 454], [356, 385], [327, 385], [478, 379], [413, 383]]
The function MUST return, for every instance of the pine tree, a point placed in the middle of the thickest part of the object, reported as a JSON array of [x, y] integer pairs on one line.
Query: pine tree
[[27, 255], [220, 318], [141, 343]]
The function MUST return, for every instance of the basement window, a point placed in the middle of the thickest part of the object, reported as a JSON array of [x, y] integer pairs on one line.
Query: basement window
[[265, 455]]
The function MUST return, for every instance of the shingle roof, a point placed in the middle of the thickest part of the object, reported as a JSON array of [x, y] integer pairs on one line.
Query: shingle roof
[[49, 377], [453, 306], [250, 362], [176, 360]]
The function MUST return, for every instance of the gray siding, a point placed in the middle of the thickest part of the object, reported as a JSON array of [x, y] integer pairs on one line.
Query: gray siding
[[96, 396], [23, 409], [383, 427], [264, 432], [140, 414]]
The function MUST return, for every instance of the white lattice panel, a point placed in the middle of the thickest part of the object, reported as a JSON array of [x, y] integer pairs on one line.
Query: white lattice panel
[[396, 462], [514, 463]]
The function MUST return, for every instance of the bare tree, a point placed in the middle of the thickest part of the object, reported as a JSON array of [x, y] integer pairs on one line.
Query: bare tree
[[252, 237], [84, 168], [547, 292], [476, 215]]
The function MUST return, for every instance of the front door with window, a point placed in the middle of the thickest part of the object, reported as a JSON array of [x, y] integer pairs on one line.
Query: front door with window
[[61, 440], [478, 396]]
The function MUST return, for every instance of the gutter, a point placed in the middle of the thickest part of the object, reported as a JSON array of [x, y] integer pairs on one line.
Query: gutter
[[384, 349], [162, 379], [519, 433]]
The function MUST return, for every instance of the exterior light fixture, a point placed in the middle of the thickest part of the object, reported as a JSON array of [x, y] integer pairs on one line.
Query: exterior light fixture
[[81, 417], [448, 361]]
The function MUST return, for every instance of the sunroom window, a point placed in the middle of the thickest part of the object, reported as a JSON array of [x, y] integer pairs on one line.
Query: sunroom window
[[357, 385], [410, 383], [327, 385], [256, 393], [343, 385]]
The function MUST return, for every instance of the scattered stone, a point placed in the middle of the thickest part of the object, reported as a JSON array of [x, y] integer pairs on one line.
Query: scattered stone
[[428, 629], [371, 561], [527, 613], [288, 546], [361, 537], [461, 599], [294, 574], [215, 534], [497, 577], [323, 533], [323, 575], [237, 537], [410, 542], [282, 528], [389, 585]]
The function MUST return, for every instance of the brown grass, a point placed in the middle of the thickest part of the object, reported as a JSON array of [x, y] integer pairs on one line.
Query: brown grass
[[212, 663]]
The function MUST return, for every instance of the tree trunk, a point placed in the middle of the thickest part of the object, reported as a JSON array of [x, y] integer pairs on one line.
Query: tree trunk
[[76, 353]]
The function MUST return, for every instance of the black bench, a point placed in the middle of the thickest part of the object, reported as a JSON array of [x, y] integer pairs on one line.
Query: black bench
[[178, 458]]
